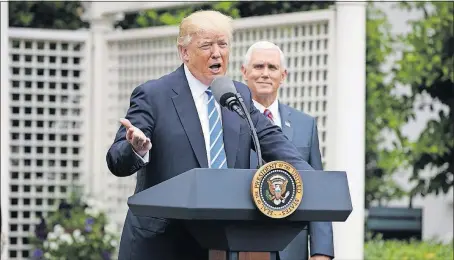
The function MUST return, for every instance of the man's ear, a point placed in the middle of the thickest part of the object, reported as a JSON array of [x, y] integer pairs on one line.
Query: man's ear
[[243, 72], [184, 53], [283, 76]]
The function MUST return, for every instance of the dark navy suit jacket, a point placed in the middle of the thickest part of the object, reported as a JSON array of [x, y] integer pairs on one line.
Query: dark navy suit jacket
[[165, 111], [301, 130]]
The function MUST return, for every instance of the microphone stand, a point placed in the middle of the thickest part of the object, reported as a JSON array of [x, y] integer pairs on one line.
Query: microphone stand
[[255, 139]]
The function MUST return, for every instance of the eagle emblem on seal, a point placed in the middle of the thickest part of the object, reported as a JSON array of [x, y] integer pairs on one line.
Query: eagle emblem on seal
[[277, 189]]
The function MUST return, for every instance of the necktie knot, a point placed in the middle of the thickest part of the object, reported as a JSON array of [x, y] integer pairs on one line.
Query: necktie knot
[[268, 114], [209, 92]]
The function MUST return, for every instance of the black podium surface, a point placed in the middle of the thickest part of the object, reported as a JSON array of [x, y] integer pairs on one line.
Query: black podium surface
[[218, 209], [225, 194]]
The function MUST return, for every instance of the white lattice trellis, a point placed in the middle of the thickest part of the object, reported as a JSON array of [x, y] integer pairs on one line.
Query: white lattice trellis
[[48, 126]]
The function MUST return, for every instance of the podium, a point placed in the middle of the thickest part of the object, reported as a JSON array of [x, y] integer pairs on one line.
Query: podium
[[218, 210]]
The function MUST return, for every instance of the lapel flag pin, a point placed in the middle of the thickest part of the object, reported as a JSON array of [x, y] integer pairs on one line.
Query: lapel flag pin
[[287, 123]]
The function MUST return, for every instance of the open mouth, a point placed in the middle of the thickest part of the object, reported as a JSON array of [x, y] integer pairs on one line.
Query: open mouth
[[215, 67]]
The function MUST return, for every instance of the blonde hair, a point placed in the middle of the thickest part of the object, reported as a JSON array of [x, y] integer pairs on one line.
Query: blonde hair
[[202, 21]]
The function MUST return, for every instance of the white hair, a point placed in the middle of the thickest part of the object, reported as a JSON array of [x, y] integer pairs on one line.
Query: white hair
[[264, 45]]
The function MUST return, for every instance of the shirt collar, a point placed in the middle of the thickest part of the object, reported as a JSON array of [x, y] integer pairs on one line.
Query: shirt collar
[[197, 88], [273, 108]]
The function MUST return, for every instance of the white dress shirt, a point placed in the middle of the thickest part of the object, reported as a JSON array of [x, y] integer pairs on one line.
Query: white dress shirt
[[273, 108], [201, 103]]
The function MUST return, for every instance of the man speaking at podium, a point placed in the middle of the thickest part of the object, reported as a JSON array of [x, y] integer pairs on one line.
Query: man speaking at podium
[[174, 125]]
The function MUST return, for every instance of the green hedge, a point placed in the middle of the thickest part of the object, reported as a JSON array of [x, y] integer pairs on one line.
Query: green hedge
[[378, 249]]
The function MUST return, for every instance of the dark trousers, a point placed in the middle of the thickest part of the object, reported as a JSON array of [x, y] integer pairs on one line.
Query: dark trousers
[[168, 242]]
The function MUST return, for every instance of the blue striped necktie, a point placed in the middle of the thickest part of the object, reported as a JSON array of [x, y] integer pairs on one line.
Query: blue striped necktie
[[217, 152]]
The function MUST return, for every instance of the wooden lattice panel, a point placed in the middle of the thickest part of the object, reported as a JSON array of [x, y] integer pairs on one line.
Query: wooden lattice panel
[[47, 127]]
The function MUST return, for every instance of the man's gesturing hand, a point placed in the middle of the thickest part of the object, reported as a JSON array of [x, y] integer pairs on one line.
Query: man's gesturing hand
[[140, 143]]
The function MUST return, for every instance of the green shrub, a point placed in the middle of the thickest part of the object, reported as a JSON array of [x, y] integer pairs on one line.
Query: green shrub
[[76, 231], [378, 249]]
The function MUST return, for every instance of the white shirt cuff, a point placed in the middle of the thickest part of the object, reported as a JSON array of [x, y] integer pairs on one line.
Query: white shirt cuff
[[144, 158]]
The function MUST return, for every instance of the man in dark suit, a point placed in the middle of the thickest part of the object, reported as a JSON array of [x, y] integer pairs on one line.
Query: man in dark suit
[[173, 125], [264, 71]]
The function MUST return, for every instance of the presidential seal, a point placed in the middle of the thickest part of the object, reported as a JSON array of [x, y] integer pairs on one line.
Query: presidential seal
[[277, 189]]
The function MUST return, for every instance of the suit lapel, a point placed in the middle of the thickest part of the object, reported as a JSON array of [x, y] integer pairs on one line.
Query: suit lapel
[[187, 112], [286, 121], [231, 129]]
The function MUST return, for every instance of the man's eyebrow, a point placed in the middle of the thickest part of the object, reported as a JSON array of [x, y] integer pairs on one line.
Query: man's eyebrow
[[205, 41], [263, 63]]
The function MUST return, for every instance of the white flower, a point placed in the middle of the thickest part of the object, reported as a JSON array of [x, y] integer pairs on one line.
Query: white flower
[[91, 202], [111, 228], [77, 233], [95, 205], [78, 236], [92, 211], [66, 238], [47, 255], [53, 245], [59, 230], [113, 243], [106, 238], [51, 236], [81, 239]]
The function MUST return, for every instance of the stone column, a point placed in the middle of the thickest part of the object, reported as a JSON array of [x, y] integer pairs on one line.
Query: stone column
[[100, 25], [5, 122], [350, 103]]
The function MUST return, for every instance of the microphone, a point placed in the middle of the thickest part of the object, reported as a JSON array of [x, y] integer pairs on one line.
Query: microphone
[[226, 95]]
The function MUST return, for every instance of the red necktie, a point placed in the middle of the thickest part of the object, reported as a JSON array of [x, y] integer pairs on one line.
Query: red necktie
[[268, 114]]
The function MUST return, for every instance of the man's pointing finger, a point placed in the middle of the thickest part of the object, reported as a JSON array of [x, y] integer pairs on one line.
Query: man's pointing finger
[[125, 122]]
